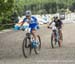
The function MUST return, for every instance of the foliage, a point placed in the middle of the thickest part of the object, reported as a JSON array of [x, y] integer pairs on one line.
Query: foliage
[[46, 6]]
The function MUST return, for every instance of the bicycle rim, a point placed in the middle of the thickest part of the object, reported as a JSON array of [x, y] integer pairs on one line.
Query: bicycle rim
[[26, 48]]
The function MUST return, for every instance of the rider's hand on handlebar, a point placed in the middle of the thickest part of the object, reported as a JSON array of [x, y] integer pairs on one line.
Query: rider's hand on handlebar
[[48, 27]]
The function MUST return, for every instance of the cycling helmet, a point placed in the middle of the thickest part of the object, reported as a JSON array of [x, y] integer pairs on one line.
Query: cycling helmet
[[28, 13]]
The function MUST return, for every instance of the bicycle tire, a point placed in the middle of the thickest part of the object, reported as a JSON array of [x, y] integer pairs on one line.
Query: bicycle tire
[[25, 46], [52, 45], [39, 47]]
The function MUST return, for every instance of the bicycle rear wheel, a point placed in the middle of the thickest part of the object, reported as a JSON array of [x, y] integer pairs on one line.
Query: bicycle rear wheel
[[37, 49], [26, 47]]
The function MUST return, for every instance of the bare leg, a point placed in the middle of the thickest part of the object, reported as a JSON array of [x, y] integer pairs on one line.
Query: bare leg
[[34, 34], [60, 41]]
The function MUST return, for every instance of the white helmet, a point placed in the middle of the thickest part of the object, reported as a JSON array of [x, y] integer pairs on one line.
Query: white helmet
[[28, 13]]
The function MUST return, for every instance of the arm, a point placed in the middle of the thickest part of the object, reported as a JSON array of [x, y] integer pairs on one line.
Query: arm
[[62, 24], [24, 20], [35, 19], [50, 23]]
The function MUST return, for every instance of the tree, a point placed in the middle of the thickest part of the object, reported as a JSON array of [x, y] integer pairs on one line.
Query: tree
[[5, 6], [50, 6], [5, 10]]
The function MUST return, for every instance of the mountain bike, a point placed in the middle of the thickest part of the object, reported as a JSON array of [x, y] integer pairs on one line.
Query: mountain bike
[[55, 37], [30, 43]]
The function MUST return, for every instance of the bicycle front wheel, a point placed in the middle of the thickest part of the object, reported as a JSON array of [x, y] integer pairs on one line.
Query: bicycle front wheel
[[26, 47], [52, 41]]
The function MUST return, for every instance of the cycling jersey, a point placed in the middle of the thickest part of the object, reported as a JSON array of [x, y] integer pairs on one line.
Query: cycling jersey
[[53, 26], [58, 24], [33, 24]]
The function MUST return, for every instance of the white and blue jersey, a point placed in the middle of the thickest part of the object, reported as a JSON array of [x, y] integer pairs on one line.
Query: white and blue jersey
[[33, 24]]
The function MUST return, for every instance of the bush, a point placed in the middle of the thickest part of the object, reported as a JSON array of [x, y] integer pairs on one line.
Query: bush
[[0, 20], [6, 27], [1, 27]]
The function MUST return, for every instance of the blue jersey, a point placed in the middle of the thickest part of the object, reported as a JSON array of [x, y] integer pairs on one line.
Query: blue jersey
[[33, 24], [32, 21]]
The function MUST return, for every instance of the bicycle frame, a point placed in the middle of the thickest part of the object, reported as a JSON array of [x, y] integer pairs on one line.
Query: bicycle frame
[[56, 34]]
